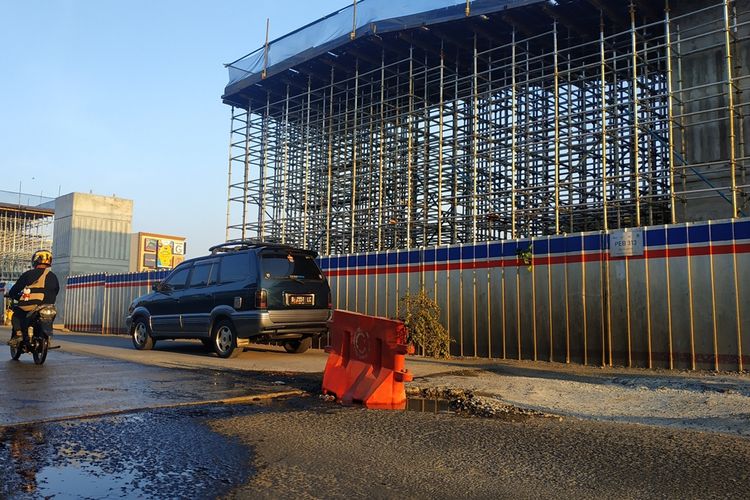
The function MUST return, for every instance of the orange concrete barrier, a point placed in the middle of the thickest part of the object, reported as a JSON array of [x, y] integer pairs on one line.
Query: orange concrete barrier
[[366, 360]]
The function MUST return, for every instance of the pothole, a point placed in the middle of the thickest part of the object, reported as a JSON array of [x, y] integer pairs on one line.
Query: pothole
[[167, 453], [470, 404], [428, 405]]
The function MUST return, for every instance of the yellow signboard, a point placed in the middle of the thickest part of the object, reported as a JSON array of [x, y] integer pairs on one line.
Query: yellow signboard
[[164, 254], [159, 251]]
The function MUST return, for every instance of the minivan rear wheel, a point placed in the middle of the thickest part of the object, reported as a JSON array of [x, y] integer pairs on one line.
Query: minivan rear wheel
[[298, 346], [225, 340]]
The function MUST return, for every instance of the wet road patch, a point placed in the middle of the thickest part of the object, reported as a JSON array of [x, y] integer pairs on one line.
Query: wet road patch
[[152, 454]]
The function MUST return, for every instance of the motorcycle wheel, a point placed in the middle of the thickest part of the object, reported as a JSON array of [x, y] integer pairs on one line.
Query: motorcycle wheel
[[15, 352], [39, 350]]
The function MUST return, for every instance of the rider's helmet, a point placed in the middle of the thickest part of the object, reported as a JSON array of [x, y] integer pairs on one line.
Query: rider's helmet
[[41, 257]]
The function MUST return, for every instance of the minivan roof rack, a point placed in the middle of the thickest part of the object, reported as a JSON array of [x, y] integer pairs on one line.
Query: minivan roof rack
[[251, 243]]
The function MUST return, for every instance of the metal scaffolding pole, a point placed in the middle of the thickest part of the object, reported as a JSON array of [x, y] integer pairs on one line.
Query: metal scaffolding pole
[[603, 70], [246, 176], [229, 176], [636, 138], [514, 136], [730, 107], [329, 175], [441, 107], [556, 141]]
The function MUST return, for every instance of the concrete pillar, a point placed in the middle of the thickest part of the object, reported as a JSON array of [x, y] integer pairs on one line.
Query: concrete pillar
[[702, 88]]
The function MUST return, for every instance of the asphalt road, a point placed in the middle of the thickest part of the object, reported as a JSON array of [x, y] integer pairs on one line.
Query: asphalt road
[[83, 425], [333, 452], [72, 383]]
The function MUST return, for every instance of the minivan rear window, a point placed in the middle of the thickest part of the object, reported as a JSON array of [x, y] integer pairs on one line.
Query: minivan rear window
[[235, 267], [290, 266]]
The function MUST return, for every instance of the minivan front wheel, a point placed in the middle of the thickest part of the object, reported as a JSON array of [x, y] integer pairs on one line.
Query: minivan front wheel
[[298, 346], [141, 336], [225, 340]]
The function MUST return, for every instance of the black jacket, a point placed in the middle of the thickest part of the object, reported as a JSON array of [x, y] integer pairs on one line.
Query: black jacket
[[51, 285]]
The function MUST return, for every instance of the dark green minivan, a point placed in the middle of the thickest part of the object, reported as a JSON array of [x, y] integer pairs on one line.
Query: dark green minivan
[[243, 291]]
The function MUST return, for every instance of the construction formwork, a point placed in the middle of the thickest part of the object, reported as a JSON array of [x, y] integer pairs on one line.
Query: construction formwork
[[549, 118], [25, 226]]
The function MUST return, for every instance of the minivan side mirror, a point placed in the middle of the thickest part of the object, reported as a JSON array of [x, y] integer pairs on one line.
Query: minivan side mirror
[[155, 287]]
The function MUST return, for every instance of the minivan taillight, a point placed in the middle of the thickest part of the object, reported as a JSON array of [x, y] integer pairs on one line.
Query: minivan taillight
[[261, 299]]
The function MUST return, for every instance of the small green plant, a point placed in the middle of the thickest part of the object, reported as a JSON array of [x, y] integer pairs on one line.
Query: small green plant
[[526, 256], [421, 315]]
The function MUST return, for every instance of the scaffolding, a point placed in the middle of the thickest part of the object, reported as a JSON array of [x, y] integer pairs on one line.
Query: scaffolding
[[550, 118], [25, 226]]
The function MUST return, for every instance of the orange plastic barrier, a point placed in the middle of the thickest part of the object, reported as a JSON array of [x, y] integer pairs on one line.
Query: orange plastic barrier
[[366, 360]]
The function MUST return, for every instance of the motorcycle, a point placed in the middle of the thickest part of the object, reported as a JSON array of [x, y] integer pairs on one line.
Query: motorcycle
[[35, 340]]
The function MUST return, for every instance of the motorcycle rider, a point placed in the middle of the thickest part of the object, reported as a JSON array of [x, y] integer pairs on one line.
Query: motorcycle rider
[[35, 287]]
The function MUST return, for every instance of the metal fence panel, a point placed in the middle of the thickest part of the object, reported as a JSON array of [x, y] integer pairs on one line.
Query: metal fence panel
[[527, 311], [391, 285], [703, 297], [618, 314], [453, 305], [595, 306], [638, 312], [726, 345], [659, 297], [576, 293], [680, 281], [401, 278], [380, 285], [349, 283], [741, 232], [512, 306], [558, 300], [467, 332], [360, 284], [441, 288], [482, 309], [542, 306], [496, 302]]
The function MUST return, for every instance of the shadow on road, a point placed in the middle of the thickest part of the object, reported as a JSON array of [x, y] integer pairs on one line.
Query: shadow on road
[[193, 347]]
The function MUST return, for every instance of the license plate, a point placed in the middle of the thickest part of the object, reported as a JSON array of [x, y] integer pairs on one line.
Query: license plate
[[301, 300]]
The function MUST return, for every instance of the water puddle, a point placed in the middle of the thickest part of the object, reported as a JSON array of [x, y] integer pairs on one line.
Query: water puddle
[[154, 454], [87, 481]]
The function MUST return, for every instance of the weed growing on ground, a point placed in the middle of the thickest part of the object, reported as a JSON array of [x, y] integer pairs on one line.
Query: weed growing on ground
[[421, 315]]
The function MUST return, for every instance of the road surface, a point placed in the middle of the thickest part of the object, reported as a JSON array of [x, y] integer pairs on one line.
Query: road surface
[[83, 425]]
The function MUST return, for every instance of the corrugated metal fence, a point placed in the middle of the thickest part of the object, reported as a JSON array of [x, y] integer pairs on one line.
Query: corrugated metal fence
[[99, 302], [679, 301]]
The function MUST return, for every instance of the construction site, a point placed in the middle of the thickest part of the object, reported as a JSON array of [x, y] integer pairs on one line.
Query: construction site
[[382, 126], [26, 223]]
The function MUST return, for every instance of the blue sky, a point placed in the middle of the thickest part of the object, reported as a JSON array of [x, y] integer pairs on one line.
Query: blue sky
[[123, 98]]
